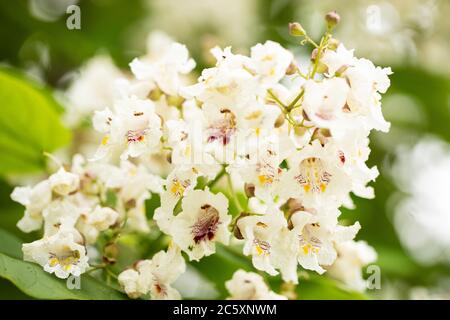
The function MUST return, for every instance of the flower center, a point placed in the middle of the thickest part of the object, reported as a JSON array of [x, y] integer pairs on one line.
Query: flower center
[[223, 129], [313, 176], [66, 261], [262, 247], [179, 186], [309, 243], [207, 224], [136, 135]]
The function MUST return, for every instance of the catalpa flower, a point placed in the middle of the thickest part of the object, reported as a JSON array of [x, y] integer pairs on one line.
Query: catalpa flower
[[164, 64], [132, 129], [260, 233], [202, 222], [58, 254], [35, 199], [352, 257], [260, 148], [317, 235], [154, 276], [250, 286], [316, 176]]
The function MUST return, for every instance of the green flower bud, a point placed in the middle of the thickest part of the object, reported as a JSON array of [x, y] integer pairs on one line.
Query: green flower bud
[[296, 29], [332, 18]]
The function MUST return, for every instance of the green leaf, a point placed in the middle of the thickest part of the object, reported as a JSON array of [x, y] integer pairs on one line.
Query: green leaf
[[10, 244], [320, 287], [35, 282], [29, 124], [219, 267]]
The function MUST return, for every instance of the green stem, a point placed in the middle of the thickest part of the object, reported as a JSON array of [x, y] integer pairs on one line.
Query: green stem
[[233, 195], [274, 97], [212, 183], [298, 97]]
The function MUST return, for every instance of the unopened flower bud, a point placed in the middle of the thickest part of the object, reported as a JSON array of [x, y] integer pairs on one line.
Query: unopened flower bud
[[236, 232], [332, 18], [321, 67], [296, 29], [341, 70], [111, 251], [249, 190], [175, 101], [155, 94], [314, 54], [294, 205], [333, 44], [292, 69], [280, 120]]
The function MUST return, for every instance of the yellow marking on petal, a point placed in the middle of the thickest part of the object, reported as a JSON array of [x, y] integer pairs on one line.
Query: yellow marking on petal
[[105, 140], [53, 262], [187, 151], [253, 115], [307, 187], [259, 250], [258, 131], [67, 267], [263, 179], [177, 188], [306, 248], [323, 187], [223, 90]]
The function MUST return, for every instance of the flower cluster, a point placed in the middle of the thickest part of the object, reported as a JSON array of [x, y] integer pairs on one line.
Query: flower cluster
[[260, 152], [74, 205]]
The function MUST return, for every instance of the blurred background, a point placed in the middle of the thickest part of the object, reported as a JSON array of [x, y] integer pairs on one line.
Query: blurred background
[[408, 223]]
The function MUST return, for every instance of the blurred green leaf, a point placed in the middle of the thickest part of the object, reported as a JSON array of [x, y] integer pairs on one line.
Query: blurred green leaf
[[319, 287], [29, 125], [219, 267], [9, 292], [35, 282], [10, 244]]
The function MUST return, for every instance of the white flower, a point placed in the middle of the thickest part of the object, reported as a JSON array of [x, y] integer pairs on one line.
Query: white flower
[[58, 254], [352, 257], [188, 150], [63, 182], [325, 104], [202, 222], [354, 152], [133, 181], [178, 184], [259, 164], [35, 199], [132, 129], [260, 233], [317, 235], [155, 276], [61, 215], [92, 89], [90, 224], [129, 281], [338, 60], [229, 84], [316, 176], [250, 286], [363, 107], [164, 66], [270, 61], [166, 267]]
